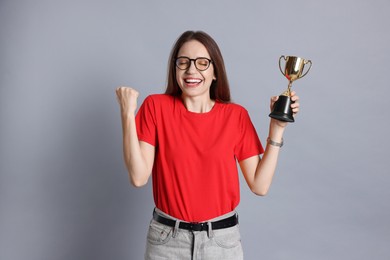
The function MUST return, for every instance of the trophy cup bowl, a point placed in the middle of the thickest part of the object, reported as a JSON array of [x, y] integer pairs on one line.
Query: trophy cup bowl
[[293, 70]]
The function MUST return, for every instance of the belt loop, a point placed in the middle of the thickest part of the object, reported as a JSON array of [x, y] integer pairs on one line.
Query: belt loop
[[210, 231], [176, 228]]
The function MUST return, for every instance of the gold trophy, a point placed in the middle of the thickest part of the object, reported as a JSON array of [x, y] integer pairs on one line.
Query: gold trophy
[[293, 70]]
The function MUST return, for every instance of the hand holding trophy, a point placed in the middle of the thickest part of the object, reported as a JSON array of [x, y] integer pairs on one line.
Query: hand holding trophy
[[293, 70]]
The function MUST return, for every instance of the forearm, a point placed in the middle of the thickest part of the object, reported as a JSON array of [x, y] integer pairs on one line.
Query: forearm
[[135, 162], [267, 165]]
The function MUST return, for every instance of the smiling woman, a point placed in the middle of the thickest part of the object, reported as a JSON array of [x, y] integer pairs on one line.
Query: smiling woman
[[219, 89], [195, 83], [190, 140]]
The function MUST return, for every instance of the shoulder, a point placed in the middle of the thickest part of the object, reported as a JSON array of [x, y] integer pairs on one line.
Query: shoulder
[[158, 100], [233, 108], [235, 112]]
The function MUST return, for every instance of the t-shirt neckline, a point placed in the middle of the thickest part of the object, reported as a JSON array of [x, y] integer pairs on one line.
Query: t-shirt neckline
[[196, 114]]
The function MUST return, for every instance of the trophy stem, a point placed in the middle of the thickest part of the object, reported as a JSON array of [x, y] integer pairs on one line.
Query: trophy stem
[[288, 90]]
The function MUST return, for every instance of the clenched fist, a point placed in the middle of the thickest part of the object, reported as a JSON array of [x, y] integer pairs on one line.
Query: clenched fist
[[127, 98]]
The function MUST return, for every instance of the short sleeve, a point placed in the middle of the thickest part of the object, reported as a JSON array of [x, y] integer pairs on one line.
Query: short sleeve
[[248, 143], [146, 122]]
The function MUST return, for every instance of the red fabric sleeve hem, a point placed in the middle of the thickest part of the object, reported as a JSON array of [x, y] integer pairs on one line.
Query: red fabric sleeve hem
[[145, 139], [246, 156]]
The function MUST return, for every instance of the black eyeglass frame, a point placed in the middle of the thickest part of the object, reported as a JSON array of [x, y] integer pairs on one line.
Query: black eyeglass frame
[[194, 60]]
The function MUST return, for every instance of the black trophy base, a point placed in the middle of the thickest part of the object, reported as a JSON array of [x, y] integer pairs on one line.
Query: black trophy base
[[282, 110]]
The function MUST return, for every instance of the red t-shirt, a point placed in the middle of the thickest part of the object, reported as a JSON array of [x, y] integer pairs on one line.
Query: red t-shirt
[[195, 176]]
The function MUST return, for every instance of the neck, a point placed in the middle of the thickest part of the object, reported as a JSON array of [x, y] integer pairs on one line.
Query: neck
[[198, 105]]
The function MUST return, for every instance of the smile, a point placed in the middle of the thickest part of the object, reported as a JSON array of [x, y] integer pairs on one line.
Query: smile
[[192, 81]]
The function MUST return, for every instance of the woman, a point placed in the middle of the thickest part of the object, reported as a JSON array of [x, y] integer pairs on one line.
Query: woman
[[189, 139]]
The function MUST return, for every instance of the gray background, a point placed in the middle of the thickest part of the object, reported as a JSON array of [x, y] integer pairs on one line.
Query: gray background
[[64, 191]]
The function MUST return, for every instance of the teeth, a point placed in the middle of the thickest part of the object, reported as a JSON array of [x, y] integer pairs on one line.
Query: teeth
[[193, 80]]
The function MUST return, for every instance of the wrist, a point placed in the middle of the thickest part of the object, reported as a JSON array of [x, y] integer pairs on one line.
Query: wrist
[[275, 131], [127, 113], [275, 134], [277, 123], [274, 143]]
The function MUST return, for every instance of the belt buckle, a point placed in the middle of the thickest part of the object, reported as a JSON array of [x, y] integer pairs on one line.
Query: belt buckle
[[199, 226]]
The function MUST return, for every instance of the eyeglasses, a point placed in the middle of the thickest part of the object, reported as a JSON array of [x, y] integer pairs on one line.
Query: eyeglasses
[[201, 63]]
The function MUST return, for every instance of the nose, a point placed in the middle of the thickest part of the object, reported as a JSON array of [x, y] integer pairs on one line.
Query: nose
[[192, 67]]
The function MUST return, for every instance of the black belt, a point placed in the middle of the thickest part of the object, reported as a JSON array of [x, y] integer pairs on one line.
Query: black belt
[[197, 226]]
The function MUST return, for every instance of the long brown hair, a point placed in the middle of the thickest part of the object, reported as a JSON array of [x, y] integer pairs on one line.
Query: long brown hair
[[219, 89]]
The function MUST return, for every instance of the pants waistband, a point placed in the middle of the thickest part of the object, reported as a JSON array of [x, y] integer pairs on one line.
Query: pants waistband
[[197, 226]]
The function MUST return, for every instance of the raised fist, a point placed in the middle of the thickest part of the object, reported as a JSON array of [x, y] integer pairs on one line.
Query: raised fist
[[127, 98]]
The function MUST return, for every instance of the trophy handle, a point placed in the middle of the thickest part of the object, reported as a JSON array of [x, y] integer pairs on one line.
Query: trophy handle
[[305, 62], [281, 67]]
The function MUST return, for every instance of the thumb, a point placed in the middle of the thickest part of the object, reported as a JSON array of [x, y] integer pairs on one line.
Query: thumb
[[272, 101]]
